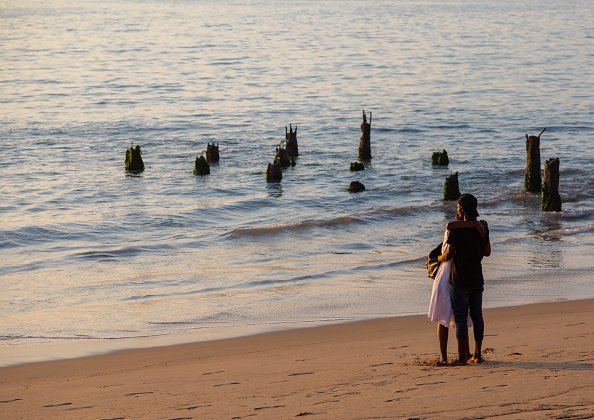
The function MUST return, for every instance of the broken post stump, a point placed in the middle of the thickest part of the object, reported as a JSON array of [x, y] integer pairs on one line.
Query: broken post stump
[[451, 190], [551, 201], [274, 172], [282, 157], [440, 158], [356, 186], [133, 161], [212, 153], [532, 179], [292, 146], [201, 166], [365, 141], [357, 166]]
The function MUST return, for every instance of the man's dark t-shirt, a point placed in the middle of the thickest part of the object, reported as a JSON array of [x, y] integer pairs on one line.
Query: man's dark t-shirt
[[467, 271]]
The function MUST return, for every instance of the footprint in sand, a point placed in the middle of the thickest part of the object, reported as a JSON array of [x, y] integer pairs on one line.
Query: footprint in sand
[[80, 408], [301, 373], [230, 383], [381, 364], [213, 373], [134, 394], [57, 405], [268, 407], [193, 407], [495, 386]]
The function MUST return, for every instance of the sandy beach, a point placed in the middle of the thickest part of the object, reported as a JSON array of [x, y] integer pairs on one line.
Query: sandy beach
[[539, 364]]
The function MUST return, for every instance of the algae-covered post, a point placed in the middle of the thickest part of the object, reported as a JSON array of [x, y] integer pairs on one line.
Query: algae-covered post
[[212, 153], [365, 141], [201, 166], [551, 201], [133, 161], [274, 172], [356, 186], [357, 166], [291, 137], [440, 158], [532, 180], [451, 190]]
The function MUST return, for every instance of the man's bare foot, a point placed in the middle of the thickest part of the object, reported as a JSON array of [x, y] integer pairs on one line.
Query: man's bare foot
[[458, 363], [476, 359]]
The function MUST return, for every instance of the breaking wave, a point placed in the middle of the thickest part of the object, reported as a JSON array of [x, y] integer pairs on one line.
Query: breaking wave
[[292, 227], [557, 233]]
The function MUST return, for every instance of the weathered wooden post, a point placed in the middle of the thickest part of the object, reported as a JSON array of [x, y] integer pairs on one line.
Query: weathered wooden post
[[451, 190], [365, 141], [551, 201], [356, 186], [201, 166], [532, 180], [274, 172], [292, 146], [212, 153], [440, 158], [282, 157], [133, 161]]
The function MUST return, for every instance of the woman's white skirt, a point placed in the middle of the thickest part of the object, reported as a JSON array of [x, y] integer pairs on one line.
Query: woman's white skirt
[[440, 305]]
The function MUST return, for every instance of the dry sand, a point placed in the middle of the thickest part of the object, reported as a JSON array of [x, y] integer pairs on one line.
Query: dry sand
[[539, 364]]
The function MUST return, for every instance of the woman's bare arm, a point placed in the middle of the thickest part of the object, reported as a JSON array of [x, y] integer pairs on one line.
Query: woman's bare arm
[[447, 255], [464, 224]]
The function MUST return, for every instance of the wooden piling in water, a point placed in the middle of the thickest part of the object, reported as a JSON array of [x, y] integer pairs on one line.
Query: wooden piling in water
[[274, 172], [282, 157], [532, 179], [212, 153], [440, 158], [201, 166], [356, 186], [133, 161], [365, 141], [292, 146], [451, 189], [551, 200], [357, 166]]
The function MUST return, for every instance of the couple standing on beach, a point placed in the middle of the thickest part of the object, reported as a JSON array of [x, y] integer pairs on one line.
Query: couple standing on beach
[[457, 296]]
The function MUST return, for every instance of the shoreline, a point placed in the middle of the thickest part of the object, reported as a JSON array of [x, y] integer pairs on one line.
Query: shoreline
[[20, 354], [539, 361], [54, 351]]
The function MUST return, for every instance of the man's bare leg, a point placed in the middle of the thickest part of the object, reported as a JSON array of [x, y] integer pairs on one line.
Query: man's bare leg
[[477, 356]]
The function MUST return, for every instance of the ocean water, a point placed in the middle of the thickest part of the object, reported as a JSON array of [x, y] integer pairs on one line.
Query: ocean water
[[94, 259]]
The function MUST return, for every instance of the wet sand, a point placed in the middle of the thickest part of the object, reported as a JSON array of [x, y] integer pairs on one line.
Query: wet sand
[[539, 364]]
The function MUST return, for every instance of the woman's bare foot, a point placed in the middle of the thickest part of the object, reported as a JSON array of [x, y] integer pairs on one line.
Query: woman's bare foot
[[476, 359], [458, 363], [442, 362]]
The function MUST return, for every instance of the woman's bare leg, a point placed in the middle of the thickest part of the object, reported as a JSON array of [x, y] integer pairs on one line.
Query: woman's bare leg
[[442, 336]]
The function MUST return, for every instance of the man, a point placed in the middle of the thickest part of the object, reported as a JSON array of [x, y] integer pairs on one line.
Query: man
[[467, 248]]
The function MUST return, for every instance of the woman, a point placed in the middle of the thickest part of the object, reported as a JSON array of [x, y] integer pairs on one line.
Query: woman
[[440, 307]]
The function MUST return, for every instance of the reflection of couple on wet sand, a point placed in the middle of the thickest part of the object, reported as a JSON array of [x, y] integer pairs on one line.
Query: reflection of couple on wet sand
[[457, 296]]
